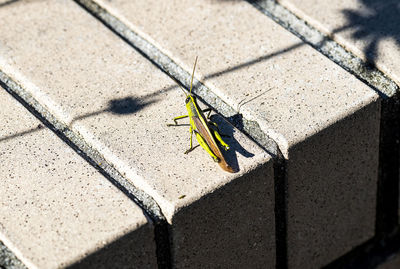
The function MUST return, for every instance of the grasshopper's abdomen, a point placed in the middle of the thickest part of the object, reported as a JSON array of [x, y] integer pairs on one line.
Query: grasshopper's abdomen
[[205, 133]]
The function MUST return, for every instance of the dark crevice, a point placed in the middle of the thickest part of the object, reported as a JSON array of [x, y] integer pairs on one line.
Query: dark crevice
[[163, 245], [387, 206], [147, 204], [281, 187]]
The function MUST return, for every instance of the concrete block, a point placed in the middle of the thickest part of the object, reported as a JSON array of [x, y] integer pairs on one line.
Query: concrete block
[[301, 99], [57, 210], [120, 103]]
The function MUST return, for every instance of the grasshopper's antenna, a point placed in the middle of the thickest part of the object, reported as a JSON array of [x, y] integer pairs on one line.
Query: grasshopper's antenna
[[191, 81], [176, 81], [183, 90]]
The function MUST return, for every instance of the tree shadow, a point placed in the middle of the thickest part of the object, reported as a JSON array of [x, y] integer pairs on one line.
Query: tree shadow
[[128, 251], [376, 21], [132, 104], [122, 106], [9, 2]]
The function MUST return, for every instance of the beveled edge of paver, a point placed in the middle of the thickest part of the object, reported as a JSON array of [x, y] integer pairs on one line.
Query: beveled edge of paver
[[8, 259], [16, 253]]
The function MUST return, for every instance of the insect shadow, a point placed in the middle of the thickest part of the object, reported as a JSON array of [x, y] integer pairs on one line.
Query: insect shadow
[[227, 131]]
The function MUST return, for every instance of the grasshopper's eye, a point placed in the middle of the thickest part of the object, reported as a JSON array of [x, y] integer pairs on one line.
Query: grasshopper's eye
[[187, 100]]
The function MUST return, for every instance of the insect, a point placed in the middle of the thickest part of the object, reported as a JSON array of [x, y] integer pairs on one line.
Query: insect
[[206, 131]]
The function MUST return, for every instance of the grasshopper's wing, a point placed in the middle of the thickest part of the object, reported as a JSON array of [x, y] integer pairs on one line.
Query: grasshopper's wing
[[205, 132]]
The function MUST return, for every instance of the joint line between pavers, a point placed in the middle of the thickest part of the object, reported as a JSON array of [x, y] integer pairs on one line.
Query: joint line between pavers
[[155, 55], [373, 77], [8, 259]]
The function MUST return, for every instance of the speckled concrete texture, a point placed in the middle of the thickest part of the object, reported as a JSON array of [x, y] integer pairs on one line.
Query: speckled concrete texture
[[369, 29], [56, 209], [297, 96], [336, 200], [265, 72], [120, 103]]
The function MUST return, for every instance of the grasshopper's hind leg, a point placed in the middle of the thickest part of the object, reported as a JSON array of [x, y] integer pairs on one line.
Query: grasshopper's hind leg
[[209, 112], [177, 118], [214, 128], [205, 146]]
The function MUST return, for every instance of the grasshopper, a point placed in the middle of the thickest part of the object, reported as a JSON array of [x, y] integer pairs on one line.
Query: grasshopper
[[206, 131]]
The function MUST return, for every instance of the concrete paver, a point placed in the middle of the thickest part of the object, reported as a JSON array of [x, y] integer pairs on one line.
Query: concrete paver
[[120, 103], [56, 209], [294, 93], [367, 28]]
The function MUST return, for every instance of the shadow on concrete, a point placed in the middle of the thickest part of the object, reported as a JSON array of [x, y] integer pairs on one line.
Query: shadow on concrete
[[123, 106], [9, 2], [227, 131], [128, 251], [132, 104], [369, 255], [232, 222], [378, 20]]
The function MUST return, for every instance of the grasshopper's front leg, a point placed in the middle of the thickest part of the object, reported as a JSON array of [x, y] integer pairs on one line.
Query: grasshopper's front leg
[[214, 127], [191, 140], [177, 118]]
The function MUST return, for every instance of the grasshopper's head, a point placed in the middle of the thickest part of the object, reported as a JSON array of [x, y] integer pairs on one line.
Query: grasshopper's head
[[189, 98]]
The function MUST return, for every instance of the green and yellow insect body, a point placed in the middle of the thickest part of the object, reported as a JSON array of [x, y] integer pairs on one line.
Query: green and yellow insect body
[[206, 131]]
